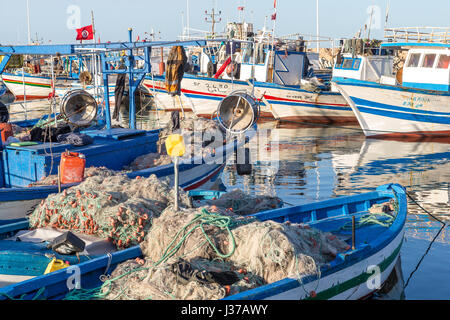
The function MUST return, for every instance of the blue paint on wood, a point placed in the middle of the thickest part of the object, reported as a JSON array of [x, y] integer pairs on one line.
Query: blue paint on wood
[[377, 237]]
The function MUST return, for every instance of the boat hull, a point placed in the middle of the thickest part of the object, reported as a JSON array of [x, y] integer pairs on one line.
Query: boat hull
[[199, 95], [32, 87], [354, 274], [193, 173], [395, 112], [290, 104]]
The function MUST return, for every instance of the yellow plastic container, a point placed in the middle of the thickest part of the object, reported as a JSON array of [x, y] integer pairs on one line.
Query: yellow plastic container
[[55, 265], [175, 145]]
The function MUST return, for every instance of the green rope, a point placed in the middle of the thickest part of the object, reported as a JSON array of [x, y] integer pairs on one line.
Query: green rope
[[198, 222], [22, 297], [382, 219]]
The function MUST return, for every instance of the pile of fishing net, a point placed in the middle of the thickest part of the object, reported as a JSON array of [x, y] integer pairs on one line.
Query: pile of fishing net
[[108, 206], [241, 203], [198, 254], [200, 137], [149, 161], [88, 172]]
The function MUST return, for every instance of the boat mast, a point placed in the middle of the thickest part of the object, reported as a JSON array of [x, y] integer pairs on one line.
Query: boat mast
[[28, 22], [213, 20], [188, 20], [317, 26]]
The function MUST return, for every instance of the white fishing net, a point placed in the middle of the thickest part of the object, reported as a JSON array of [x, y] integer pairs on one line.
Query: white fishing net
[[257, 252]]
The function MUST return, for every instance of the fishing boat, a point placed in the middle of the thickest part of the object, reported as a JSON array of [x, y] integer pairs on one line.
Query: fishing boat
[[24, 164], [412, 102], [28, 258], [282, 78], [373, 247], [196, 172]]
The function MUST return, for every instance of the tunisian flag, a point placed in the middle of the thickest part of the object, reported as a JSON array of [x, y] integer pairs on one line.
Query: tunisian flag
[[85, 33]]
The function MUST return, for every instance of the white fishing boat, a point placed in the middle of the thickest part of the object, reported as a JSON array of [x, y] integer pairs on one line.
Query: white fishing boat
[[281, 73], [413, 102]]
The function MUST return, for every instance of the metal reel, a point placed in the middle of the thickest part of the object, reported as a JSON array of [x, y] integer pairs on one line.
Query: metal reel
[[79, 108], [238, 112]]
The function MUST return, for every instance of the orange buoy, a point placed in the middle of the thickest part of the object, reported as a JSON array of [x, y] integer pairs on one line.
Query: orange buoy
[[7, 131], [72, 167]]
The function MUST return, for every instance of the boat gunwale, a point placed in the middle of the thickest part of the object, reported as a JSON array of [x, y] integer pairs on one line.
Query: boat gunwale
[[385, 238]]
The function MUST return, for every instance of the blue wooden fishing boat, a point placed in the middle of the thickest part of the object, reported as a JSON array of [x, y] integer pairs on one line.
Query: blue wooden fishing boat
[[22, 260], [112, 147], [374, 251], [195, 172], [411, 102]]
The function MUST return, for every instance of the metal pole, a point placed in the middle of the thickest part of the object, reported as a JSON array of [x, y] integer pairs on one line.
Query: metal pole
[[317, 26], [59, 179], [176, 182], [188, 21], [353, 233], [132, 112], [28, 21], [106, 91]]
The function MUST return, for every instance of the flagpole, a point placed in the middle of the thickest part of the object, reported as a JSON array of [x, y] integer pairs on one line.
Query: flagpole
[[274, 17], [93, 27]]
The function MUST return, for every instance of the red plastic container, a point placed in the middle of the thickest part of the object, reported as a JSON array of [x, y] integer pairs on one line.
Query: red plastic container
[[7, 131], [72, 167]]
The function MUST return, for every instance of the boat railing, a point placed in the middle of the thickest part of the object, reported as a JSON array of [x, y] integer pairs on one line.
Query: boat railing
[[418, 34]]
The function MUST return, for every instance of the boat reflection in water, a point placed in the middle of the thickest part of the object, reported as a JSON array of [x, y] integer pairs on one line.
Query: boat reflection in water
[[318, 163]]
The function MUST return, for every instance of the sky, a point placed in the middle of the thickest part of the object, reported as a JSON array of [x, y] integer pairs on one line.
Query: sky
[[55, 20]]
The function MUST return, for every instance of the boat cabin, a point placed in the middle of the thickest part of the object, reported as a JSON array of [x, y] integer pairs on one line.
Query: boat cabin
[[427, 64], [259, 62], [427, 68]]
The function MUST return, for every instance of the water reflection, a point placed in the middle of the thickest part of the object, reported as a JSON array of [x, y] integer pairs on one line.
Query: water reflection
[[317, 163]]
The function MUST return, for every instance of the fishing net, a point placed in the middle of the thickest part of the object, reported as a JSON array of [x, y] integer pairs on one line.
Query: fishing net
[[239, 202], [200, 136], [149, 161], [194, 131], [108, 206], [255, 252], [88, 172]]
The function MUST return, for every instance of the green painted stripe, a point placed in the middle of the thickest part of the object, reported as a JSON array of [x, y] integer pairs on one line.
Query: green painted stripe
[[356, 281], [28, 83]]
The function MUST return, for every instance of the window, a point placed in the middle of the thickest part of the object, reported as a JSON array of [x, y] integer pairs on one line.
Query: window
[[428, 61], [348, 63], [444, 61], [414, 60]]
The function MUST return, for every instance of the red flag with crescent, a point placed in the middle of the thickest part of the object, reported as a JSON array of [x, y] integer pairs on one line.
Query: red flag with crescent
[[85, 33]]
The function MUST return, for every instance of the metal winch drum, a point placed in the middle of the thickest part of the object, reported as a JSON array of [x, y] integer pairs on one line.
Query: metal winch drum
[[79, 107], [238, 112]]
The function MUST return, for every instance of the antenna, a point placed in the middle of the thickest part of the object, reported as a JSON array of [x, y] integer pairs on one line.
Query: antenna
[[387, 14], [213, 20], [370, 23]]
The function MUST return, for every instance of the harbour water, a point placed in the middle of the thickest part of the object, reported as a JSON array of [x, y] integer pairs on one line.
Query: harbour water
[[314, 163], [319, 163]]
